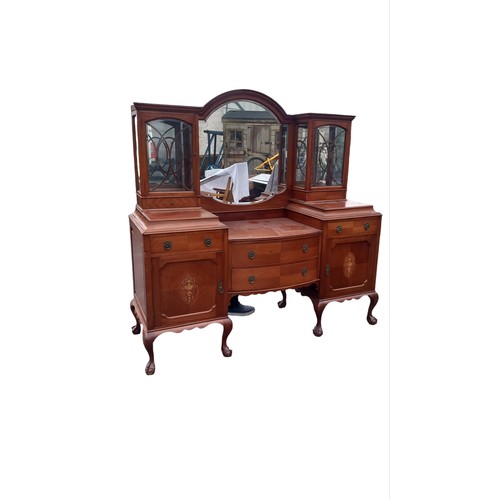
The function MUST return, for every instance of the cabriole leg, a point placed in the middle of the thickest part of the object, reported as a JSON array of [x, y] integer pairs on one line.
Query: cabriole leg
[[282, 303], [136, 329], [373, 302], [148, 340], [228, 326], [318, 309]]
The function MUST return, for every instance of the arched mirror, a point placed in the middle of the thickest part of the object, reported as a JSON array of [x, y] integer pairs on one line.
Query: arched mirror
[[243, 148]]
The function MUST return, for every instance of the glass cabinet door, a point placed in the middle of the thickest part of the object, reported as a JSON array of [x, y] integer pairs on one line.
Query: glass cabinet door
[[328, 160], [169, 155]]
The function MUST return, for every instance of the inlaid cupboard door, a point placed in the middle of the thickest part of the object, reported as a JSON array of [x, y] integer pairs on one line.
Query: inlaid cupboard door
[[350, 266], [188, 288]]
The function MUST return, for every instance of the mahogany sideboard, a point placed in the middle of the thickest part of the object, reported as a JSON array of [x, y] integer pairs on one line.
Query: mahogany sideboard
[[194, 245]]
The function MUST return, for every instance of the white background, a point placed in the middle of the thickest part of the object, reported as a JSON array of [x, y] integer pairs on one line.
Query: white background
[[408, 408]]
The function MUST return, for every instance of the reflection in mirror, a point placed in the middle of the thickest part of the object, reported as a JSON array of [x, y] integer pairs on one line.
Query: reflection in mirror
[[328, 164], [242, 153]]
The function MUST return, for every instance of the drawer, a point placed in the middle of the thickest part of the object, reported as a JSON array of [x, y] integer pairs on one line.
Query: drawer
[[274, 277], [353, 227], [299, 273], [273, 253], [187, 242], [297, 250], [255, 254]]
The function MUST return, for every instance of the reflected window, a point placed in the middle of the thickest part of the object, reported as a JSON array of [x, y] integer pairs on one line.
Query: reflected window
[[242, 135], [169, 148], [328, 162], [235, 141]]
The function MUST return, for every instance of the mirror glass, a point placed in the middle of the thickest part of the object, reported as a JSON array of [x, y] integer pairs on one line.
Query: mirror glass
[[242, 153]]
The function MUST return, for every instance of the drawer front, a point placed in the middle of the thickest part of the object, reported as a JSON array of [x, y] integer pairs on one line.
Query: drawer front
[[273, 253], [274, 277], [255, 254], [299, 273], [259, 278], [187, 242], [353, 227], [298, 250]]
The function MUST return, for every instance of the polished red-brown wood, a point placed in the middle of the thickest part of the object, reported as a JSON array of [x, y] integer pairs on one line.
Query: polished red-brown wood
[[191, 253]]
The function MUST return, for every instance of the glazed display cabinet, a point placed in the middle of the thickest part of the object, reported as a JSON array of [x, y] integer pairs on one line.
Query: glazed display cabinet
[[237, 198]]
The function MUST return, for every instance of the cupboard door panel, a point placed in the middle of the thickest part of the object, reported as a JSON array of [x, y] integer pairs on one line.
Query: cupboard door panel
[[187, 290], [351, 266]]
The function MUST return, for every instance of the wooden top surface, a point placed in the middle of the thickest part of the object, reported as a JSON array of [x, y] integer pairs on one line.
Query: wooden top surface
[[268, 228]]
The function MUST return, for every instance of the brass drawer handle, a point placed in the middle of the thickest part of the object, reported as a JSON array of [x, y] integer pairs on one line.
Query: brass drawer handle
[[167, 245], [305, 248], [251, 279], [220, 287], [208, 242], [304, 271], [366, 226], [339, 229], [251, 254], [327, 269]]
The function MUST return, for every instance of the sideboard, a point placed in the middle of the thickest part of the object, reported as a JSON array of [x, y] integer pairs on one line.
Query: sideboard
[[237, 198]]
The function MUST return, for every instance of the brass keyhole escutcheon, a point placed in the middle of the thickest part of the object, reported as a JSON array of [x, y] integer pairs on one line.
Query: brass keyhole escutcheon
[[251, 254], [251, 279], [167, 245], [208, 242], [339, 229]]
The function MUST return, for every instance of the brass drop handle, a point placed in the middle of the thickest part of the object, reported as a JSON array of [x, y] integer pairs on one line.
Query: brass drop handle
[[327, 269], [208, 242], [366, 226], [305, 248], [251, 279], [339, 229], [251, 254], [304, 271], [167, 245], [220, 287]]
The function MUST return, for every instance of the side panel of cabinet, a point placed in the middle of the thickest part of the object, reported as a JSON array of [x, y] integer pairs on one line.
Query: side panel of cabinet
[[350, 266], [188, 288]]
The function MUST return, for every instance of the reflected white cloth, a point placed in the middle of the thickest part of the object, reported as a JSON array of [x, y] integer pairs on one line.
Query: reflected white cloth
[[239, 176]]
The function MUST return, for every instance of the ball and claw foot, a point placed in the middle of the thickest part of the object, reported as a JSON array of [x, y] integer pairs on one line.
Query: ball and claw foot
[[226, 352], [150, 368], [136, 329]]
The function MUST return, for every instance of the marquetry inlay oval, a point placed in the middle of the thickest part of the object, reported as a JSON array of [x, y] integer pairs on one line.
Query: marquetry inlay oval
[[349, 265], [189, 288]]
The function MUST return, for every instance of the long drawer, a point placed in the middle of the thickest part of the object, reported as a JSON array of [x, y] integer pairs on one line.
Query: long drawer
[[187, 242], [353, 227], [271, 253], [274, 277]]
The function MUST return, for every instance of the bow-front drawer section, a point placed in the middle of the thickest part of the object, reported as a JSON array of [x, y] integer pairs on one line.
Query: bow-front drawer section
[[272, 254]]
